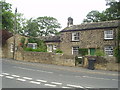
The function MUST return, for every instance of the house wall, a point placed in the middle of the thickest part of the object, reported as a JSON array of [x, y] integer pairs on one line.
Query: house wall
[[6, 49], [88, 39]]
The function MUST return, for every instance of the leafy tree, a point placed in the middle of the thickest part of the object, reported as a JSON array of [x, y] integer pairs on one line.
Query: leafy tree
[[48, 25], [111, 13], [93, 16], [21, 23], [31, 28], [7, 16]]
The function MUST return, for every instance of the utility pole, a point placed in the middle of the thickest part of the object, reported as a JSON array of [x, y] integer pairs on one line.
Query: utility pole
[[15, 29]]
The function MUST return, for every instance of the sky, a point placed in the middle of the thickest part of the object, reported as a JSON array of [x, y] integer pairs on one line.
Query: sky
[[59, 9]]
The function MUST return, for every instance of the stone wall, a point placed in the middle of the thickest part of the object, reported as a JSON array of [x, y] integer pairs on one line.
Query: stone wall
[[47, 58], [88, 39], [103, 63]]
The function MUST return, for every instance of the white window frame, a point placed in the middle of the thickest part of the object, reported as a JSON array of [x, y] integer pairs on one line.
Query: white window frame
[[73, 49], [108, 50], [11, 48], [54, 47], [108, 34], [75, 36], [49, 48], [34, 45]]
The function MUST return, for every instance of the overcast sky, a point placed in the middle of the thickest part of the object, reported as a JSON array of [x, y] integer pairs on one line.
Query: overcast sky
[[59, 9]]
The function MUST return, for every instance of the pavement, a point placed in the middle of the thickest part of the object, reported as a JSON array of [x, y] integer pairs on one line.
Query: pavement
[[66, 68]]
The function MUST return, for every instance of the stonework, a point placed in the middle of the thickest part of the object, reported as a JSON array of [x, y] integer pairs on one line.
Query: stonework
[[91, 36]]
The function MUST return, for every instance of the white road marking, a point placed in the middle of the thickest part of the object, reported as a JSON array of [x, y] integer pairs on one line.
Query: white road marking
[[66, 87], [56, 83], [50, 85], [1, 75], [32, 69], [9, 77], [27, 78], [76, 86], [15, 75], [41, 80], [88, 87], [96, 78], [21, 79], [115, 79], [5, 73], [34, 82]]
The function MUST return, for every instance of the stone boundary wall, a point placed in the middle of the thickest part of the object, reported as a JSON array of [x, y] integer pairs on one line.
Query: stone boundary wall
[[103, 63], [45, 57]]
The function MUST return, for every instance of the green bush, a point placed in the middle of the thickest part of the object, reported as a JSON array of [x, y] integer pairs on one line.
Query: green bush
[[22, 41], [83, 51], [99, 52], [58, 51], [40, 44], [35, 50], [117, 54]]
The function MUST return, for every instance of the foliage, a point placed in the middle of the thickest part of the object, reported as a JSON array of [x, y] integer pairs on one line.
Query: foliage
[[111, 13], [31, 28], [34, 50], [22, 41], [83, 51], [48, 25], [117, 54], [99, 52], [7, 16], [40, 43], [42, 26], [58, 51]]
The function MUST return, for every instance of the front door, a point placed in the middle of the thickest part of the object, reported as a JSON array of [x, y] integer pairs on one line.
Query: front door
[[92, 51]]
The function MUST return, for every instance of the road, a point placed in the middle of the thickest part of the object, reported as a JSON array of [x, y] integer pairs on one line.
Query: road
[[21, 74]]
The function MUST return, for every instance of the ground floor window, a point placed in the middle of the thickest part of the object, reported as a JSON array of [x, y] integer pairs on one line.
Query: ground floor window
[[12, 48], [49, 48], [108, 50], [32, 45], [75, 50]]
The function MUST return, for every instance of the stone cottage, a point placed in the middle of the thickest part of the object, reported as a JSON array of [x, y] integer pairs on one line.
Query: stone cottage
[[92, 36]]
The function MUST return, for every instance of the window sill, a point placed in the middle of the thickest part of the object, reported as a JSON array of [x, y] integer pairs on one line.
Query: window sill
[[75, 41]]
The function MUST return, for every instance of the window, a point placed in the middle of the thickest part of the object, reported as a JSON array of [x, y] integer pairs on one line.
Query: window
[[109, 50], [75, 50], [108, 34], [54, 47], [75, 36], [32, 45], [49, 48], [11, 48]]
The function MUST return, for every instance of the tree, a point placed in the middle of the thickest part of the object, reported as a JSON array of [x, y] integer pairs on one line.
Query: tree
[[48, 25], [93, 16], [7, 16], [31, 28], [111, 13]]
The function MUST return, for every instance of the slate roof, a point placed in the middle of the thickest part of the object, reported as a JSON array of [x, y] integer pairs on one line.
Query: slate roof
[[50, 38], [94, 25]]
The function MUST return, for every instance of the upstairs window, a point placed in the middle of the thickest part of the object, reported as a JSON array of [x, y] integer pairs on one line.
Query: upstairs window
[[108, 34], [75, 36], [108, 50]]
